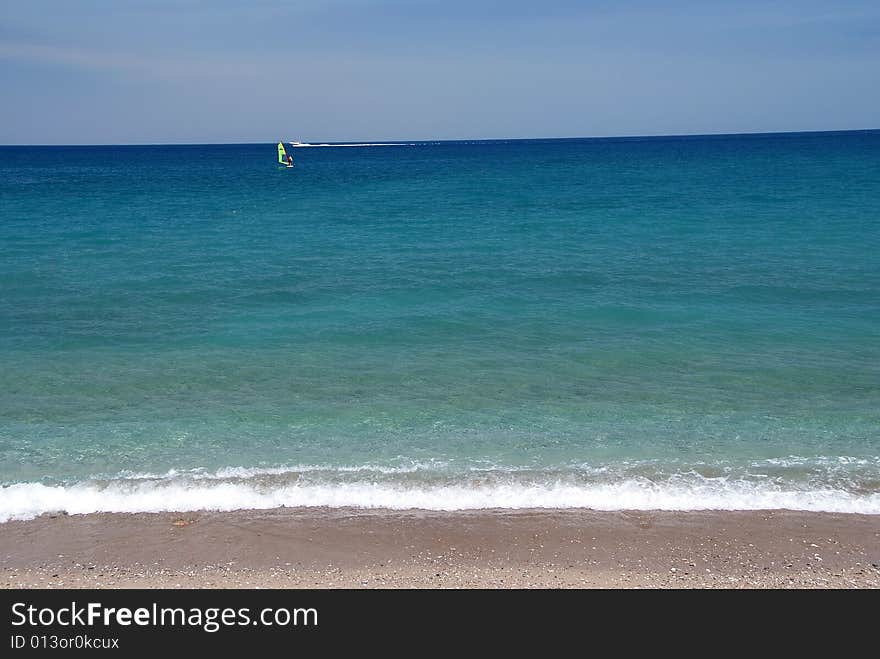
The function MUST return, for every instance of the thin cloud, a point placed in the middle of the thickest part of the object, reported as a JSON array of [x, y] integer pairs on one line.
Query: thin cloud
[[157, 67]]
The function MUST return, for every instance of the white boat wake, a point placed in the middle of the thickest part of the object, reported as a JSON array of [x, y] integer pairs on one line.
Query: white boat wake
[[299, 145]]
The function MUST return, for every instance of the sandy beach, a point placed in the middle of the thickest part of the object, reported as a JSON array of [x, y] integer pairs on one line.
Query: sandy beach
[[339, 548]]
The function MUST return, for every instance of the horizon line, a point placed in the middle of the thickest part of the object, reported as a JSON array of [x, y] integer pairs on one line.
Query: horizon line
[[463, 139]]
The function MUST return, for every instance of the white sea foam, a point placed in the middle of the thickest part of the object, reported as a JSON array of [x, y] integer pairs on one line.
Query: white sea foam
[[239, 488], [255, 472]]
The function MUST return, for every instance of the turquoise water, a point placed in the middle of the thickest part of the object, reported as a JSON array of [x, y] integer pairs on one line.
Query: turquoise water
[[613, 323]]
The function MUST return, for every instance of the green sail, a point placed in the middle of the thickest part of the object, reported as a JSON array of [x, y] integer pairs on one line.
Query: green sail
[[282, 154]]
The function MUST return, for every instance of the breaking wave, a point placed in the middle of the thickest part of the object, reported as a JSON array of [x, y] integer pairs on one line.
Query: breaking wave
[[842, 485]]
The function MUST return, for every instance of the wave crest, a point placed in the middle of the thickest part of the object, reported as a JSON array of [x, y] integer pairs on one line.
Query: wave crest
[[437, 486]]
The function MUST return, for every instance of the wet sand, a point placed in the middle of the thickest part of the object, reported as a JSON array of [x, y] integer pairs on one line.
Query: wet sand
[[338, 548]]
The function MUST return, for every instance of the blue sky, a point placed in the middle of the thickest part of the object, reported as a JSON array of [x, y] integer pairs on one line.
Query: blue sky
[[141, 71]]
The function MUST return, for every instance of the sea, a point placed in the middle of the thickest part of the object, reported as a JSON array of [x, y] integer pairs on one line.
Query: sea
[[657, 323]]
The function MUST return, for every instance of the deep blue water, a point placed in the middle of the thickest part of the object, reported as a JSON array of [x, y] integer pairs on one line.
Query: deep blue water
[[680, 322]]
